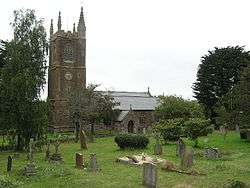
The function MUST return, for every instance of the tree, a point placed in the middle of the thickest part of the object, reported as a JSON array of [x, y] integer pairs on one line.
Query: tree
[[172, 107], [237, 101], [218, 72], [89, 106], [23, 77]]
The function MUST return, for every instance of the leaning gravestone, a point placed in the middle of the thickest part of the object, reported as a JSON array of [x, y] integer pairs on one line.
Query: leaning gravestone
[[211, 153], [180, 148], [158, 147], [83, 140], [187, 159], [93, 166], [30, 168], [9, 164], [149, 175], [79, 160]]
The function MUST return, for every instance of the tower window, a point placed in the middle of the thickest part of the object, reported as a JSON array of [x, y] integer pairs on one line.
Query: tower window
[[68, 54]]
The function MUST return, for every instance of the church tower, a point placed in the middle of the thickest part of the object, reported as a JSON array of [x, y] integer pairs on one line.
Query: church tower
[[67, 71]]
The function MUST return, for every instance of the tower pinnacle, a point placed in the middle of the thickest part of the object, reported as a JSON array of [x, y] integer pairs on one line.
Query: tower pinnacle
[[81, 24], [59, 23], [51, 28]]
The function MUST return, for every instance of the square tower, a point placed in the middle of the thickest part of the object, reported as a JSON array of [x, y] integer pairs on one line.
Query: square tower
[[67, 72]]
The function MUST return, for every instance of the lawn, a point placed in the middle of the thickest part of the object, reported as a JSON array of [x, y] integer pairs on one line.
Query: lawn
[[234, 164]]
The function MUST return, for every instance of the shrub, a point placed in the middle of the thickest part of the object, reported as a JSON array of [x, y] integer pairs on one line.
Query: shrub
[[196, 127], [170, 130], [243, 133], [131, 141]]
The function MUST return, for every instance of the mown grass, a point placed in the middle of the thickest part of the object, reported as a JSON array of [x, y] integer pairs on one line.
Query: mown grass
[[234, 164]]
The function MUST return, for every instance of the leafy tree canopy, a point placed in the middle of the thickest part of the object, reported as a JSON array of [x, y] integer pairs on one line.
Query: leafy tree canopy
[[218, 72], [23, 76], [172, 107]]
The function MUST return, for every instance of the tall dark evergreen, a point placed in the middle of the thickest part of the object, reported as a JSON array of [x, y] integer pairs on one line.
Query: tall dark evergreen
[[22, 78], [218, 72]]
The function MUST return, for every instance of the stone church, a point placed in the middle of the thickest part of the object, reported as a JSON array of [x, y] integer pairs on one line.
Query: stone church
[[67, 71]]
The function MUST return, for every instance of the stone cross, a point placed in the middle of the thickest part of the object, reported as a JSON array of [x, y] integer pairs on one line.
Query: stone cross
[[79, 160], [9, 164], [93, 163], [158, 147], [180, 148], [187, 159], [149, 175]]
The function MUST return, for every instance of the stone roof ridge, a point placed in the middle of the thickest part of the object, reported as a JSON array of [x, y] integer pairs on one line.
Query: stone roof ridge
[[128, 93]]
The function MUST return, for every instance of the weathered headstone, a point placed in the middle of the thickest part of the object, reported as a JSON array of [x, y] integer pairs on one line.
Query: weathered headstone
[[158, 147], [57, 157], [9, 164], [30, 153], [222, 129], [83, 140], [248, 135], [144, 130], [211, 153], [237, 128], [93, 166], [180, 148], [47, 155], [187, 159], [149, 175], [79, 160], [30, 169]]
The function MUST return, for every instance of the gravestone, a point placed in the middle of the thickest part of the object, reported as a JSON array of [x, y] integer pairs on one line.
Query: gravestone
[[144, 130], [180, 148], [237, 128], [56, 157], [149, 175], [9, 164], [158, 147], [83, 140], [79, 160], [93, 166], [187, 159], [30, 153], [211, 153], [30, 169], [222, 129], [248, 135], [47, 154]]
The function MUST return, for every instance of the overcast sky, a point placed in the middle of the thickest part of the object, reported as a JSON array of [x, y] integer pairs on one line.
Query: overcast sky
[[133, 44]]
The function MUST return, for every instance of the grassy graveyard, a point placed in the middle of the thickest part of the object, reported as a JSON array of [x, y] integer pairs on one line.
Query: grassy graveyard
[[234, 164]]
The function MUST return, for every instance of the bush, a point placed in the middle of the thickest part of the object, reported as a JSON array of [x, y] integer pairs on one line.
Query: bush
[[243, 134], [170, 130], [197, 127], [131, 141]]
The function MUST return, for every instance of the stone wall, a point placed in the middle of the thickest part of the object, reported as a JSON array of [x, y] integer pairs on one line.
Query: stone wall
[[140, 119]]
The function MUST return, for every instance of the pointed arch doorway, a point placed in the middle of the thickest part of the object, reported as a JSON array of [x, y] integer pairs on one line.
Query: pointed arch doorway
[[130, 126]]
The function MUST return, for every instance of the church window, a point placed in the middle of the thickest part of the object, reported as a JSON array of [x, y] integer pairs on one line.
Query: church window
[[68, 54]]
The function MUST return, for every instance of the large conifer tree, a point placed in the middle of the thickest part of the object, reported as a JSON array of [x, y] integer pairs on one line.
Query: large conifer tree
[[218, 72]]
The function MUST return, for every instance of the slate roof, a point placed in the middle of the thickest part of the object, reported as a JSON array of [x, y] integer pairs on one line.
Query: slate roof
[[135, 100]]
